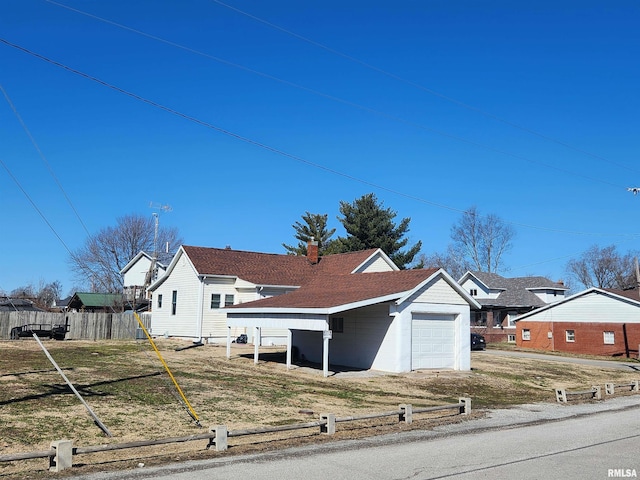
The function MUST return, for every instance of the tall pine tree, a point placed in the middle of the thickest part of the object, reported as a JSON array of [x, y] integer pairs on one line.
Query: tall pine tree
[[313, 225], [369, 225]]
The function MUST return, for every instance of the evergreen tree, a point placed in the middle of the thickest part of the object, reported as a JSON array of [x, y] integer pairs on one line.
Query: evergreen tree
[[313, 225], [369, 225]]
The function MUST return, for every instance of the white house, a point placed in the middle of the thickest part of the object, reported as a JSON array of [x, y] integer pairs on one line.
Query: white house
[[394, 321], [189, 300], [373, 315], [139, 273]]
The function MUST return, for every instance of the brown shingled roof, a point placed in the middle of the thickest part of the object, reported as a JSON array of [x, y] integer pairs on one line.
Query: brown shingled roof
[[271, 268], [326, 291]]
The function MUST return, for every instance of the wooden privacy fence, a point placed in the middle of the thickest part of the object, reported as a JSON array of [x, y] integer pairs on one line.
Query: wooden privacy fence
[[82, 326], [61, 453]]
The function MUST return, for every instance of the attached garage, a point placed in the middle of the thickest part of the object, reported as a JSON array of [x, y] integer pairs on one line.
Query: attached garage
[[389, 321], [433, 341]]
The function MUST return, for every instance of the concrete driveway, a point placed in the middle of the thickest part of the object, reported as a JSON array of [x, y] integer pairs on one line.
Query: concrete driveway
[[629, 365]]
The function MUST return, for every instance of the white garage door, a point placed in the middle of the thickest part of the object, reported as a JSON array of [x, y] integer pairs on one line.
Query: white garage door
[[432, 341]]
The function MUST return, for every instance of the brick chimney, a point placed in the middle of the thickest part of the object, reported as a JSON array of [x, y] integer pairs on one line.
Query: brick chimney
[[312, 251]]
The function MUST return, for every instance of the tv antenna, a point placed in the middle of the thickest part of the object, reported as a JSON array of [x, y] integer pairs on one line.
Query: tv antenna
[[164, 208]]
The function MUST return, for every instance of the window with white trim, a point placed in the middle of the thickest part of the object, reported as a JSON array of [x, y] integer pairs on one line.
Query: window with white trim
[[570, 335], [228, 300], [473, 292], [159, 300], [526, 334], [174, 302], [609, 338], [511, 338], [215, 300]]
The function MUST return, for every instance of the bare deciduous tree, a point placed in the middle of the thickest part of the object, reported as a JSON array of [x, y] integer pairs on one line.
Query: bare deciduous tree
[[478, 243], [603, 268], [99, 261], [482, 240]]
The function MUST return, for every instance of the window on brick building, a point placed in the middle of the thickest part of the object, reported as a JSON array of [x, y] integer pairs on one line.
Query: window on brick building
[[481, 319], [526, 334], [570, 335], [609, 338], [511, 338]]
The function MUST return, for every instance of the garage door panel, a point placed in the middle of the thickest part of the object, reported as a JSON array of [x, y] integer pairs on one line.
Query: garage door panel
[[432, 341]]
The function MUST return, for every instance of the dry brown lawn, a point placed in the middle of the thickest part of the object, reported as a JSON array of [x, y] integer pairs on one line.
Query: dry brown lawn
[[126, 386]]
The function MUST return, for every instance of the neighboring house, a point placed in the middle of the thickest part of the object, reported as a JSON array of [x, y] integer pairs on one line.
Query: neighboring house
[[98, 302], [595, 321], [372, 314], [503, 300], [8, 304], [138, 274]]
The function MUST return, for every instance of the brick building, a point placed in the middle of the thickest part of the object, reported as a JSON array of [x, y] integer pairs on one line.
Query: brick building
[[595, 321], [503, 300]]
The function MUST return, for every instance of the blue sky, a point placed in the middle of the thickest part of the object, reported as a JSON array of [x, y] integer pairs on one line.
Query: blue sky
[[526, 110]]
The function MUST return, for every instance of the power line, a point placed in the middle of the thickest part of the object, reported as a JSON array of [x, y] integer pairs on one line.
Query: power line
[[44, 159], [328, 96], [422, 87], [263, 145]]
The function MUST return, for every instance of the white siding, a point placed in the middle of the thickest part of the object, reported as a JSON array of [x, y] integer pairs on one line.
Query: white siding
[[375, 264], [136, 275], [184, 323], [439, 291], [472, 284], [591, 307], [368, 340]]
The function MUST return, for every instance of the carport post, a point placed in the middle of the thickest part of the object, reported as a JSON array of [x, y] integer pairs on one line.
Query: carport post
[[288, 348], [228, 343], [326, 336], [256, 345]]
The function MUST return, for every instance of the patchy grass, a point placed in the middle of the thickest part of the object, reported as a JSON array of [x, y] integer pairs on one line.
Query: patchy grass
[[126, 386]]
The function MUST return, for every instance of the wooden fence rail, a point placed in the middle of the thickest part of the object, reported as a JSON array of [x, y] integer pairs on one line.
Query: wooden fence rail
[[61, 453]]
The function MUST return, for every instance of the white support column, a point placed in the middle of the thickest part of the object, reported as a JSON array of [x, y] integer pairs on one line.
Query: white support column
[[288, 348], [256, 344], [326, 336], [228, 343]]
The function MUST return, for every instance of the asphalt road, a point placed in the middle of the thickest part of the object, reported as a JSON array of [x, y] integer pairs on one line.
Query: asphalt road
[[630, 365], [587, 441]]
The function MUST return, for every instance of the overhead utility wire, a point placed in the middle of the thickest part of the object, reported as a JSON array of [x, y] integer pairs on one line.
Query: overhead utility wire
[[334, 98], [260, 144], [422, 87], [51, 172]]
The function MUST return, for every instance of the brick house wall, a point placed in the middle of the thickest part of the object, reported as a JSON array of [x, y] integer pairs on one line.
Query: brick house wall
[[588, 338]]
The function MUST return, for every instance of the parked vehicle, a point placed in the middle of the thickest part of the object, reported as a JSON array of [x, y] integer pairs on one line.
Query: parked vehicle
[[478, 342]]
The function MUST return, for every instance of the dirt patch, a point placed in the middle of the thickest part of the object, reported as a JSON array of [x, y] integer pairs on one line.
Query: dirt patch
[[126, 386]]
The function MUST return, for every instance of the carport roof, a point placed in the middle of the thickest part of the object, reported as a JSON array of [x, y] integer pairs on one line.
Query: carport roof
[[328, 291]]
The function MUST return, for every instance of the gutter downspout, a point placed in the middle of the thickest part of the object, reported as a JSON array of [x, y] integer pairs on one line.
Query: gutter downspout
[[200, 307]]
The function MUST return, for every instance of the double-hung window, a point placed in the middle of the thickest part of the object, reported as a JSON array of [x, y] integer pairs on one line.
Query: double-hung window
[[215, 300], [174, 302]]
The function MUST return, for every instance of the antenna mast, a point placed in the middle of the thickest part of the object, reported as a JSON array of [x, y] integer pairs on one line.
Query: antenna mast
[[164, 208]]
